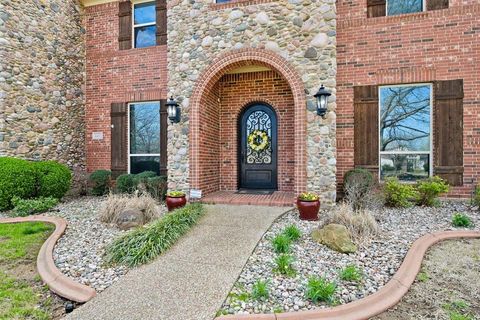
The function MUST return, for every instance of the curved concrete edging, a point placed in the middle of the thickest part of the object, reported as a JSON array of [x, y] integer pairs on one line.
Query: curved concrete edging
[[51, 276], [385, 298]]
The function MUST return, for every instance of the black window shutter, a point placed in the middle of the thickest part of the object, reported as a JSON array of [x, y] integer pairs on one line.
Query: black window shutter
[[366, 128], [376, 8], [437, 4], [118, 140], [163, 137], [161, 9], [448, 131], [125, 25]]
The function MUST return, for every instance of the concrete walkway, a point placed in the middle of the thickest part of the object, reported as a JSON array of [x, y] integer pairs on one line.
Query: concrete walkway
[[190, 281]]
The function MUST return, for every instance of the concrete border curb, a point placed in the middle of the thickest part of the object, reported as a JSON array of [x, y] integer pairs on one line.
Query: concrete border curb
[[51, 276], [382, 300]]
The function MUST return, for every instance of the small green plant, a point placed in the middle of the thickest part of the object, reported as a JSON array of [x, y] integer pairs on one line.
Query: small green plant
[[277, 309], [399, 194], [176, 194], [241, 296], [422, 276], [142, 245], [461, 220], [144, 176], [320, 289], [351, 273], [284, 265], [458, 310], [281, 243], [101, 180], [308, 196], [260, 290], [292, 232], [429, 189], [25, 207]]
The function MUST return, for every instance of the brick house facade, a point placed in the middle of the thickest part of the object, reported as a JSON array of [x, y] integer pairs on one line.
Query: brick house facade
[[220, 59]]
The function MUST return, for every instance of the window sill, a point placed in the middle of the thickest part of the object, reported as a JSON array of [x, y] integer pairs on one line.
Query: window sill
[[236, 3]]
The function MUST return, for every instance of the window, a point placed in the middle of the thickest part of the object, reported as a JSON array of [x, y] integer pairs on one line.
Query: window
[[144, 137], [395, 7], [144, 25], [405, 114]]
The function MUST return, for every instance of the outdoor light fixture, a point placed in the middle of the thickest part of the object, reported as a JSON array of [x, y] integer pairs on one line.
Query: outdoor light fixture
[[173, 110], [322, 101]]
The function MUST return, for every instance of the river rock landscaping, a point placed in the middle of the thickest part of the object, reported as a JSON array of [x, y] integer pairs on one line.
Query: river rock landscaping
[[376, 260]]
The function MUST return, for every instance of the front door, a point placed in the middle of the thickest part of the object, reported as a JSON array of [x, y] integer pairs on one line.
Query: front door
[[258, 148]]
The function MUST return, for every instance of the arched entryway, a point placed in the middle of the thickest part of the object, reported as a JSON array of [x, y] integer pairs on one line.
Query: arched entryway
[[233, 82], [258, 148]]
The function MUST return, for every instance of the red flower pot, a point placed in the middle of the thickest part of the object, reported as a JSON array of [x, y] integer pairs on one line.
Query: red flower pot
[[175, 202], [308, 209]]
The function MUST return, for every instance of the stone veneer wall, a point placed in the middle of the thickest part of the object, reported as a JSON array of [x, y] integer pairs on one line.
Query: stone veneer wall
[[301, 31], [42, 75]]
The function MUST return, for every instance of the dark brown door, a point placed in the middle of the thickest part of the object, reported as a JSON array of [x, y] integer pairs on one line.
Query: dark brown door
[[258, 148]]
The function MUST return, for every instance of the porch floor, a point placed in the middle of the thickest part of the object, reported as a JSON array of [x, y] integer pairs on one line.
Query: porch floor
[[276, 199]]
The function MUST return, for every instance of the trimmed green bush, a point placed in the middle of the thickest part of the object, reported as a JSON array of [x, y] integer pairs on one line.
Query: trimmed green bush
[[144, 176], [101, 180], [157, 187], [126, 183], [144, 244], [398, 194], [54, 179], [17, 178], [429, 189], [24, 207]]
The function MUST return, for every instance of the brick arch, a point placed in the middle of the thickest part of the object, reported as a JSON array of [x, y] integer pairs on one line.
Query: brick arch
[[209, 79]]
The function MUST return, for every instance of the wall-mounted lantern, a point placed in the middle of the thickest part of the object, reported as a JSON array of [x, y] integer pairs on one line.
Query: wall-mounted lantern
[[322, 101], [173, 110]]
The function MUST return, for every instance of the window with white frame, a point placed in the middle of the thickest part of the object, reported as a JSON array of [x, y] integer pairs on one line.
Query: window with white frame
[[405, 131], [144, 24], [144, 137], [395, 7]]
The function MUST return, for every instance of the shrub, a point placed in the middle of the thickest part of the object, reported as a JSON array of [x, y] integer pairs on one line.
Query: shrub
[[429, 189], [260, 290], [281, 243], [143, 176], [351, 273], [116, 203], [361, 224], [319, 289], [24, 208], [101, 180], [284, 265], [461, 220], [142, 245], [292, 232], [399, 194], [308, 196], [54, 179], [18, 178], [126, 183], [476, 196], [157, 187], [357, 185]]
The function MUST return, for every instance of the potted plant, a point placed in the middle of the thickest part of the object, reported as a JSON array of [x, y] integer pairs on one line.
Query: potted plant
[[308, 205], [175, 199]]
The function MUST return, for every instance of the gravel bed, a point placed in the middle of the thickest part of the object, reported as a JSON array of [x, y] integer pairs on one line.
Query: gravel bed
[[78, 253], [378, 260]]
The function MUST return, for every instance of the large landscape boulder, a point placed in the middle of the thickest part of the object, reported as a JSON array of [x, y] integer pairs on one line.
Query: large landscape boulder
[[336, 237], [129, 218]]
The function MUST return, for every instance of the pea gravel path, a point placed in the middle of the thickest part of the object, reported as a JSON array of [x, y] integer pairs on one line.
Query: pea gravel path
[[193, 278]]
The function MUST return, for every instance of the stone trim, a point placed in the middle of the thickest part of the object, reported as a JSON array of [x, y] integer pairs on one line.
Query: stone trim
[[230, 61], [51, 276], [385, 298]]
